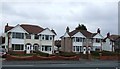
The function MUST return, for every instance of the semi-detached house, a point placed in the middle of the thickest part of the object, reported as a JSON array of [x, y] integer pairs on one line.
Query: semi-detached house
[[80, 40], [27, 38]]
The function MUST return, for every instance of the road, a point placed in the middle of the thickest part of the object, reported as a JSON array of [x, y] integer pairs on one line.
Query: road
[[82, 64]]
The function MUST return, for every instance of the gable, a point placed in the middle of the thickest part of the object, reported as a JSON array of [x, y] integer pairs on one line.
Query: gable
[[66, 35], [18, 28], [78, 34], [47, 32], [98, 36]]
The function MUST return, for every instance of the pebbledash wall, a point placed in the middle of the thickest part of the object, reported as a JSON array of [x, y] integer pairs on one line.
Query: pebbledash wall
[[20, 37]]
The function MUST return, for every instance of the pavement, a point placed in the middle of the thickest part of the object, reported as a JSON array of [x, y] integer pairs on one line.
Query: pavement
[[65, 64]]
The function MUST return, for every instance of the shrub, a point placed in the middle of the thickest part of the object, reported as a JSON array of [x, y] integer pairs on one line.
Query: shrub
[[42, 53], [95, 53], [66, 54], [107, 53]]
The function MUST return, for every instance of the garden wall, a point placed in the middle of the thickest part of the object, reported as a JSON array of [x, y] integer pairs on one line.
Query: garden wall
[[35, 57]]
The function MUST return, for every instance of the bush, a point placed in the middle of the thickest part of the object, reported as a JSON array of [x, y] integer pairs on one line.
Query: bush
[[95, 53], [42, 53], [67, 54], [107, 53]]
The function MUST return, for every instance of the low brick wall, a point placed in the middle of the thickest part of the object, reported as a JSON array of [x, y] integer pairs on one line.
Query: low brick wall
[[35, 57], [109, 57]]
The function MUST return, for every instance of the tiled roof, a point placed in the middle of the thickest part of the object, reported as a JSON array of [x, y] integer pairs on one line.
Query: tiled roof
[[84, 32], [7, 28], [93, 34], [54, 31], [112, 37], [32, 28]]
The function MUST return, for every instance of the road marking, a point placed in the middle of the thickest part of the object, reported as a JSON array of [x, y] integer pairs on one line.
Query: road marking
[[17, 65]]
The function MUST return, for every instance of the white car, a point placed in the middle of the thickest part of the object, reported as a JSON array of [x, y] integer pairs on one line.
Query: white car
[[2, 52]]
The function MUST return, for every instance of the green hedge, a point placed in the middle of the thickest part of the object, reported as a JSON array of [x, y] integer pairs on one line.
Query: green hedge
[[42, 53], [95, 53], [107, 53], [67, 54]]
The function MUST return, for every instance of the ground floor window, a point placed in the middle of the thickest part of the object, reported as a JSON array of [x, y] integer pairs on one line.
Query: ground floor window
[[77, 48], [17, 46], [94, 48], [46, 48]]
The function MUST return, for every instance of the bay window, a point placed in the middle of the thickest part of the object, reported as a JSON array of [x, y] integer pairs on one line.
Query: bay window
[[46, 48], [17, 35], [17, 46]]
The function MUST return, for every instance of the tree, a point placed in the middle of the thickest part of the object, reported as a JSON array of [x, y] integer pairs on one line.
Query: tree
[[81, 27]]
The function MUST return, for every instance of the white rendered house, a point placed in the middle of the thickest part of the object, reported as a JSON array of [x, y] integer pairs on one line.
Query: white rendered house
[[26, 38], [109, 43]]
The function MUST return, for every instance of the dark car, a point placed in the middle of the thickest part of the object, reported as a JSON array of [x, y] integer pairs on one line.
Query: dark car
[[2, 52]]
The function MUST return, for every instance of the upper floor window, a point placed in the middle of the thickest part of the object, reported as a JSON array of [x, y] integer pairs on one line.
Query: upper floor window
[[36, 36], [97, 40], [78, 39], [46, 37], [17, 35], [28, 36]]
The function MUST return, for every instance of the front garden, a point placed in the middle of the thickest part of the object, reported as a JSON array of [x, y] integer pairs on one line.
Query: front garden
[[37, 55]]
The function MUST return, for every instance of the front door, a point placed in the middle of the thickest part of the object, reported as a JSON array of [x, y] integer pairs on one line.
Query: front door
[[28, 49]]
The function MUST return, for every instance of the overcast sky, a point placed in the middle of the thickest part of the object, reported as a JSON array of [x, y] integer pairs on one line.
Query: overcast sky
[[58, 14]]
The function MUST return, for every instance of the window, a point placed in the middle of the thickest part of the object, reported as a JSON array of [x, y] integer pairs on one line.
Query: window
[[98, 40], [77, 48], [42, 37], [17, 46], [79, 39], [46, 48], [28, 36], [18, 35], [36, 36], [51, 37], [46, 37]]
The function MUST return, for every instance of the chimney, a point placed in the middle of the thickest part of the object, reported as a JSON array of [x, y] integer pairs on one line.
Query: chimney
[[108, 34], [67, 29], [7, 25], [98, 30]]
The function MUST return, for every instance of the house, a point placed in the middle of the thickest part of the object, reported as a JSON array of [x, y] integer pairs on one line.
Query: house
[[2, 41], [117, 44], [81, 40], [27, 38], [111, 42]]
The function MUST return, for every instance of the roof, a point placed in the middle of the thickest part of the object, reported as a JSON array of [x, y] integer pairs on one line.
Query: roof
[[84, 32], [93, 34], [112, 37], [32, 29], [7, 28]]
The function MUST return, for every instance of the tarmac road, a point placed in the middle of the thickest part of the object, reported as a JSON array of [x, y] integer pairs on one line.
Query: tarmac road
[[82, 64]]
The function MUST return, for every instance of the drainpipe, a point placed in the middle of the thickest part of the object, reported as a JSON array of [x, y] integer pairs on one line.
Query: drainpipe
[[64, 44]]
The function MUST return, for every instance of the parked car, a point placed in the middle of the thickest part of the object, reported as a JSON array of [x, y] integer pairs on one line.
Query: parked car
[[2, 52]]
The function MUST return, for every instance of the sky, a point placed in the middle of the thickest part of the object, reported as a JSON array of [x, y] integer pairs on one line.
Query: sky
[[58, 14]]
